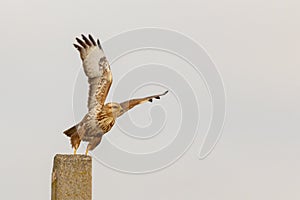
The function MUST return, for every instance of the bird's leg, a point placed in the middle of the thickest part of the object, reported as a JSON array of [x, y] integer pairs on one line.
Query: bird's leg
[[93, 143], [76, 147]]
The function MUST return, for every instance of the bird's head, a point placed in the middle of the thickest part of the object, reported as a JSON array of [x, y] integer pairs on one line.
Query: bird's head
[[115, 109]]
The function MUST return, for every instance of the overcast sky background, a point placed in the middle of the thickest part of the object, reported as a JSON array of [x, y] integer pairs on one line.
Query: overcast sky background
[[255, 45]]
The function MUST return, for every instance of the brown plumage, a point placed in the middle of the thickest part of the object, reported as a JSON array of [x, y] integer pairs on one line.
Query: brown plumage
[[100, 117]]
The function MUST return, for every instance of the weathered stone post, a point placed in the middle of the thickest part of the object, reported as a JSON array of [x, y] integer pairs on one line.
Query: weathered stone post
[[72, 177]]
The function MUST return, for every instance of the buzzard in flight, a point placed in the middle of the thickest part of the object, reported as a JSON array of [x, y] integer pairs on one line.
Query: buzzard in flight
[[100, 117]]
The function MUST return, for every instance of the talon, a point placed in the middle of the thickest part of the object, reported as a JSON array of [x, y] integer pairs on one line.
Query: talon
[[75, 150], [86, 151]]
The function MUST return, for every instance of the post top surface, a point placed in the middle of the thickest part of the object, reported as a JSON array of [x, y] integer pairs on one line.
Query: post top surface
[[72, 157]]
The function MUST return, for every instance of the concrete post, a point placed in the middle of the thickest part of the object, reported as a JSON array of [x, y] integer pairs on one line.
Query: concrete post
[[72, 177]]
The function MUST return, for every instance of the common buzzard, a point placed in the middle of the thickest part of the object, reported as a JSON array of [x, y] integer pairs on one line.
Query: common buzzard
[[100, 117]]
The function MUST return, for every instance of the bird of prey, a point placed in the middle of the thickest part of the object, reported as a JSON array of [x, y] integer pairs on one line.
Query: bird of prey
[[100, 117]]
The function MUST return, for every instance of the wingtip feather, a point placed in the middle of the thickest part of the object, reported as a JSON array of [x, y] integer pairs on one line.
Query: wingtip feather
[[99, 45], [92, 39], [86, 40], [81, 42], [77, 46], [165, 92]]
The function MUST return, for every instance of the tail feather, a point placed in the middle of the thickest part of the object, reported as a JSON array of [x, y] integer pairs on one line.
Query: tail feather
[[74, 137], [70, 131]]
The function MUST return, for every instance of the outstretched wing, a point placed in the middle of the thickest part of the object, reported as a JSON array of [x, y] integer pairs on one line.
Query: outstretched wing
[[96, 68], [127, 105]]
